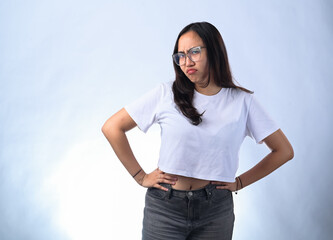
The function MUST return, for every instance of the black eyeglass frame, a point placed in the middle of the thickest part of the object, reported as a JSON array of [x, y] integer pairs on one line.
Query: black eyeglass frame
[[187, 55]]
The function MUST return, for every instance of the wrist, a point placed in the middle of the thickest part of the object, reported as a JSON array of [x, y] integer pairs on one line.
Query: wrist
[[239, 183], [139, 177]]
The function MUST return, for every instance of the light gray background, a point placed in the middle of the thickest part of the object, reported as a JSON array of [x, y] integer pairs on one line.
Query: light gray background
[[66, 66]]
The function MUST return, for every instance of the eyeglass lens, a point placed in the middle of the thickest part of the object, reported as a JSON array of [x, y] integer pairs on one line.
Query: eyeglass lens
[[193, 54]]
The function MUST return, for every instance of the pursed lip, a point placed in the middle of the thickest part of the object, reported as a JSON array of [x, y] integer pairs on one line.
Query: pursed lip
[[191, 70]]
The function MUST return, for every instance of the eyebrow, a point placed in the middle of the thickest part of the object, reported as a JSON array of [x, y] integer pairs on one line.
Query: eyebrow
[[188, 49]]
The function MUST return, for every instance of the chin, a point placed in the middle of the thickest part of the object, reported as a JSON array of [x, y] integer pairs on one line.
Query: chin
[[193, 79], [199, 82]]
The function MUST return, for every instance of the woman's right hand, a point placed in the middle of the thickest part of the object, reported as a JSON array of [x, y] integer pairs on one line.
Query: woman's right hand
[[156, 177]]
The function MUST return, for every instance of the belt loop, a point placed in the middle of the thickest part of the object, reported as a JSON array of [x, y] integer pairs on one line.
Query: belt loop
[[208, 189], [169, 192]]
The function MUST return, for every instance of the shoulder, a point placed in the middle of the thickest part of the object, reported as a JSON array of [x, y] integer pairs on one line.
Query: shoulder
[[159, 92], [161, 88], [165, 88], [236, 94]]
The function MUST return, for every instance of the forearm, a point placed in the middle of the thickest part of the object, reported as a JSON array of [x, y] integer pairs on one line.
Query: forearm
[[266, 166], [119, 142]]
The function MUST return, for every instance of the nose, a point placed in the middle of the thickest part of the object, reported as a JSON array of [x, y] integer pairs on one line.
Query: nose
[[188, 61]]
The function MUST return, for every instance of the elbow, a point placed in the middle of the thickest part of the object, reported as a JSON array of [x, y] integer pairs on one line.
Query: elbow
[[289, 153], [103, 129], [110, 128], [106, 128], [118, 123], [285, 154]]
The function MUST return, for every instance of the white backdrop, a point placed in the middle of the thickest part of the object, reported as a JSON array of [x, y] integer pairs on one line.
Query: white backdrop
[[66, 66]]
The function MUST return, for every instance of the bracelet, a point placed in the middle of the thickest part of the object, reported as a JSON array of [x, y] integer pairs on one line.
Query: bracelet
[[241, 184], [240, 180], [137, 173]]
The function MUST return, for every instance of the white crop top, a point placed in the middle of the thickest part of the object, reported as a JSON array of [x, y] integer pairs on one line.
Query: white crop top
[[208, 151]]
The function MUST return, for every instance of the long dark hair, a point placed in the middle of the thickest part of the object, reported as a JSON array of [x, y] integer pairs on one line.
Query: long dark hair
[[219, 69]]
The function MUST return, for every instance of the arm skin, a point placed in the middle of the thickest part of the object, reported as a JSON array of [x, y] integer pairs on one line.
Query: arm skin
[[114, 130], [116, 126], [281, 152]]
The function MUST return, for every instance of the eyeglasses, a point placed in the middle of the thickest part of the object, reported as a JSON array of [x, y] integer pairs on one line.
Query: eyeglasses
[[193, 54]]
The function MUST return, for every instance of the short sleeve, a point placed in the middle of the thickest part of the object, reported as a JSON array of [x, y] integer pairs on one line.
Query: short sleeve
[[143, 110], [259, 124]]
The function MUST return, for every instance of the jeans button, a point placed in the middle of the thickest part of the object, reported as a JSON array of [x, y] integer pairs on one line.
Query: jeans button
[[190, 194]]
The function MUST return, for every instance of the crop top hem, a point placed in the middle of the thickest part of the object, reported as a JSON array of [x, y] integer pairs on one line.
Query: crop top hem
[[197, 176]]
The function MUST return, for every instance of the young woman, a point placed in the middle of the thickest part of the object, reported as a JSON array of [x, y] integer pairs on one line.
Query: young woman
[[204, 118]]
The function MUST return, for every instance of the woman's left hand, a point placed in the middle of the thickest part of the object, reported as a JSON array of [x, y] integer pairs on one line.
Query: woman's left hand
[[231, 186]]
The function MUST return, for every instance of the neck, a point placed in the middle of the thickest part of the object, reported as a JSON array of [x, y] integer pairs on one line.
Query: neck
[[209, 90]]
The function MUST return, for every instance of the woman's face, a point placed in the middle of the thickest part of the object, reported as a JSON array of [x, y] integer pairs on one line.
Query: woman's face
[[196, 71]]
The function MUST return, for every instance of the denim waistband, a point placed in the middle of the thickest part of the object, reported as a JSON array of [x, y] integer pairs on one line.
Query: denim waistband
[[202, 192]]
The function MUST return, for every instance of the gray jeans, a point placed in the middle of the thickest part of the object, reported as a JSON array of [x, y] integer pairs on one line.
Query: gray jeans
[[207, 213]]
